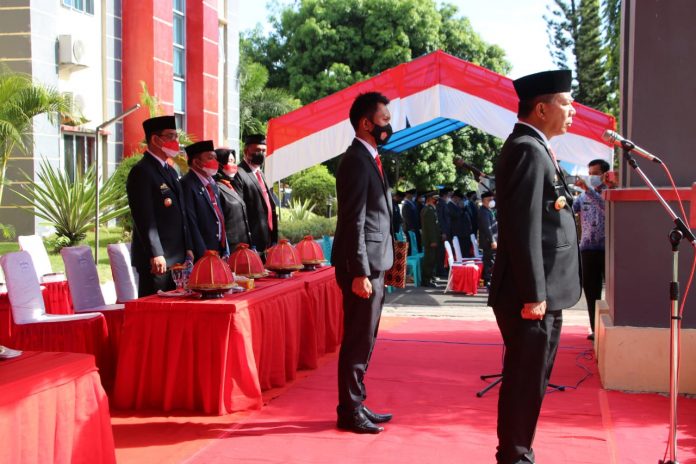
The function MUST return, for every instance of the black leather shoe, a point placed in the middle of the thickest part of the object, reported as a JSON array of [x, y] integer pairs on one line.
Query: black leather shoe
[[358, 423], [376, 418]]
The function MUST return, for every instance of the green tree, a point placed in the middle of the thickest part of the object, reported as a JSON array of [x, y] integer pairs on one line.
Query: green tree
[[21, 99], [574, 30], [315, 184], [319, 47], [258, 103], [612, 20]]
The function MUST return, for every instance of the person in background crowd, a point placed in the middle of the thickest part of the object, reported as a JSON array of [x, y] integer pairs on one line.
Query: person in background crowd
[[397, 197], [460, 222], [160, 227], [363, 250], [537, 267], [206, 221], [589, 205], [250, 184], [472, 208], [432, 237], [233, 206], [411, 215], [488, 234], [445, 228]]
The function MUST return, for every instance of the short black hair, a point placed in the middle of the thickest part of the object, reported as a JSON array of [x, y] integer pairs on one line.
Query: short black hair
[[603, 165], [223, 155], [365, 106], [526, 107]]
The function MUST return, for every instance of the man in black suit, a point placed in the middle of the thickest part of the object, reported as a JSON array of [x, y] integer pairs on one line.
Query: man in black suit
[[362, 251], [537, 271], [397, 198], [411, 215], [250, 184], [160, 228], [206, 221], [233, 207], [460, 223], [488, 234]]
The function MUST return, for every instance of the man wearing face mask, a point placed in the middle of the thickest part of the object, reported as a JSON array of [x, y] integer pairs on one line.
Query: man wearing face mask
[[160, 227], [233, 207], [590, 207], [260, 202], [206, 222], [488, 234], [362, 251]]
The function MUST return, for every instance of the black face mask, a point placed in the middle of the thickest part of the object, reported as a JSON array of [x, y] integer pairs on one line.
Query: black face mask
[[257, 158], [381, 133]]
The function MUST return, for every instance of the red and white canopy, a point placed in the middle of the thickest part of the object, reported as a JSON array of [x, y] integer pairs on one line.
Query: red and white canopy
[[434, 86]]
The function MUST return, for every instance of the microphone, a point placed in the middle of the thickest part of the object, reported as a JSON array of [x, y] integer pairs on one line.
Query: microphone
[[476, 171], [616, 140]]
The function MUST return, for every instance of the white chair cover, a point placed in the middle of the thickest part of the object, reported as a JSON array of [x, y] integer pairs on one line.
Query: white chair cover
[[24, 292], [457, 249], [125, 276], [474, 243], [37, 250], [83, 280]]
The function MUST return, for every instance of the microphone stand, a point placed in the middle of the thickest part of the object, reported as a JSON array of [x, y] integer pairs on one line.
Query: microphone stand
[[678, 232]]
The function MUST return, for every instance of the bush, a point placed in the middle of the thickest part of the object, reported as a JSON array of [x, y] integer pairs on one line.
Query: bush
[[315, 184], [119, 179], [316, 227]]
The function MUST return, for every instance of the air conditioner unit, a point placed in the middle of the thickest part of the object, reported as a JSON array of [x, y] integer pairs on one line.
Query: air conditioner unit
[[72, 51], [77, 103]]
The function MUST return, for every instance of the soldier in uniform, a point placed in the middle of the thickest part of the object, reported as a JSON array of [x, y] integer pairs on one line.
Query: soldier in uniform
[[431, 237], [537, 271]]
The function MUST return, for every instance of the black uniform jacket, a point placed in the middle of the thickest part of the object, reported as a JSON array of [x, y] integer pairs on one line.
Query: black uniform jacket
[[363, 240], [538, 255], [156, 202], [203, 222], [247, 186], [236, 222]]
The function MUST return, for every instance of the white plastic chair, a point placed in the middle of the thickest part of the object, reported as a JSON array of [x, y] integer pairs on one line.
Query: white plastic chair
[[474, 243], [451, 263], [33, 245], [458, 257], [83, 280], [125, 276], [24, 292]]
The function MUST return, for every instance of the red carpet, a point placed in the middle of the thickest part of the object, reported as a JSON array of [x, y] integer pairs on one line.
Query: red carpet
[[426, 372]]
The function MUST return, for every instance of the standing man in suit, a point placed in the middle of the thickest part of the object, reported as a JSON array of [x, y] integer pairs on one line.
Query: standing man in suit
[[160, 228], [488, 234], [250, 184], [537, 270], [206, 221], [233, 207], [397, 198], [432, 239], [460, 223], [362, 251], [411, 215]]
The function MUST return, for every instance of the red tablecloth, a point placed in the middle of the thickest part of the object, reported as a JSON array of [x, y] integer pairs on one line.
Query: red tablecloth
[[216, 356], [53, 410], [465, 278]]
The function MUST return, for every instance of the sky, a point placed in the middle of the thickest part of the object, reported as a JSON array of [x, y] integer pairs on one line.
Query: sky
[[517, 26]]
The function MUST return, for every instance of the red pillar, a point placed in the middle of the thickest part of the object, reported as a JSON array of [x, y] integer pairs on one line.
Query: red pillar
[[202, 70], [147, 56]]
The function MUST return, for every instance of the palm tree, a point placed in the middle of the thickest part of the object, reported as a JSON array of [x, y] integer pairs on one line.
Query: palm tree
[[20, 100], [258, 103]]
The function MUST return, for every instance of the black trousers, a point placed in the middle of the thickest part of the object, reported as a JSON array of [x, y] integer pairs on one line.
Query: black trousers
[[360, 323], [592, 278], [149, 283], [530, 350], [488, 261], [428, 264]]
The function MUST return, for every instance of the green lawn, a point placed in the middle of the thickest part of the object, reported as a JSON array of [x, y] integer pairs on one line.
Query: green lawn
[[106, 236]]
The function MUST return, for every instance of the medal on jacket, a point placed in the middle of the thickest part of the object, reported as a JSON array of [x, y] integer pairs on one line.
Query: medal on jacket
[[167, 202], [560, 203]]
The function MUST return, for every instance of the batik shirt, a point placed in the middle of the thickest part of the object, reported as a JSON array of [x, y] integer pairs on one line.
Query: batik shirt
[[590, 206]]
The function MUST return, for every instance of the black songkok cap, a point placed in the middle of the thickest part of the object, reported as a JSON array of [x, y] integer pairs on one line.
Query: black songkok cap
[[458, 193], [432, 193], [158, 124], [487, 194], [543, 83], [223, 155], [412, 191], [258, 139], [199, 147]]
